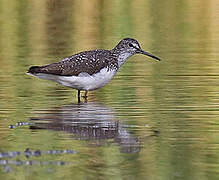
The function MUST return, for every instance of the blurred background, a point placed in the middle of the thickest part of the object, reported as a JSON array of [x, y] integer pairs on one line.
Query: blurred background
[[154, 120]]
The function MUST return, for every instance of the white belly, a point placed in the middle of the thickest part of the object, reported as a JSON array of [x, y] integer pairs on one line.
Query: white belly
[[83, 81]]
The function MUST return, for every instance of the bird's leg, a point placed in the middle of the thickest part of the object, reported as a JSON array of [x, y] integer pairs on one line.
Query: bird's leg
[[85, 94], [79, 93], [79, 97]]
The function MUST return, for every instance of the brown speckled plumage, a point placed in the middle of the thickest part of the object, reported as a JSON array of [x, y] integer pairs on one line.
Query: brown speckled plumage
[[90, 62]]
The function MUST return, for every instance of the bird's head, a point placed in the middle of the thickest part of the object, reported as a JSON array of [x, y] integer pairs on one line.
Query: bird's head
[[131, 46]]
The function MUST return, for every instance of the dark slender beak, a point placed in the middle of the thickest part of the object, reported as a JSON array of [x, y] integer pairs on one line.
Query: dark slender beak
[[148, 54]]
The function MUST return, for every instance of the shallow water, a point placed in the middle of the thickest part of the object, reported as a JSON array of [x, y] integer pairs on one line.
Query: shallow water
[[154, 120]]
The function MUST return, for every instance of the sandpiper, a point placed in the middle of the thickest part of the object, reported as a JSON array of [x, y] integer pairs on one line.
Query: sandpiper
[[89, 70]]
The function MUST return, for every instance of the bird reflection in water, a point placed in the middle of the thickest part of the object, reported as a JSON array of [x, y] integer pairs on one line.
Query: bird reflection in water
[[88, 121]]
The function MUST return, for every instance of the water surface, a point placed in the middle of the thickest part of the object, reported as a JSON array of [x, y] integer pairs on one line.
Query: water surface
[[154, 120]]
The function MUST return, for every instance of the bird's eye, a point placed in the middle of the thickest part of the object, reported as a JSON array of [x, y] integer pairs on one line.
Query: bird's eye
[[131, 45]]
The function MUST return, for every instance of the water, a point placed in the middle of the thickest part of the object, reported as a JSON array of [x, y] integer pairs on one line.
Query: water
[[154, 120]]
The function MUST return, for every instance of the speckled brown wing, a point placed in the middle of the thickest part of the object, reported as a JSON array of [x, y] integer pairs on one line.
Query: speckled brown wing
[[89, 62]]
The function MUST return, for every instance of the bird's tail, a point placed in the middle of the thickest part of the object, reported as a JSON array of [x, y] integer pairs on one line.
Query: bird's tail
[[39, 72], [34, 70]]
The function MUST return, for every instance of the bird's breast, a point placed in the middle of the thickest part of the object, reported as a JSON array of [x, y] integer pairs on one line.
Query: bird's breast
[[89, 82]]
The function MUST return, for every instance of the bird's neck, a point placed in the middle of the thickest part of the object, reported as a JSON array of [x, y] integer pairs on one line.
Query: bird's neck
[[122, 57]]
